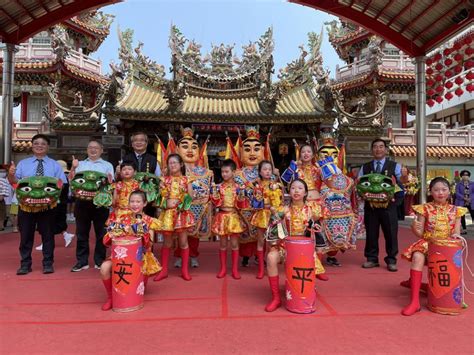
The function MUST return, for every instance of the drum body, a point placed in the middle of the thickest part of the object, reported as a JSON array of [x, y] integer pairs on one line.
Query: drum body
[[127, 277], [445, 276], [300, 276]]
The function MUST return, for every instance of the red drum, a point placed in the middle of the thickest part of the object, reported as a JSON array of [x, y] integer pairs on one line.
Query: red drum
[[445, 276], [300, 276], [127, 277]]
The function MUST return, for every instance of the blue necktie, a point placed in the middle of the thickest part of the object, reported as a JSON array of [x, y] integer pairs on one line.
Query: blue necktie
[[378, 168], [40, 168]]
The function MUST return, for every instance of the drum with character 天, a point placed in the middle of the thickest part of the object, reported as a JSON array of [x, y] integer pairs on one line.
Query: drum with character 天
[[300, 275], [444, 260], [128, 285]]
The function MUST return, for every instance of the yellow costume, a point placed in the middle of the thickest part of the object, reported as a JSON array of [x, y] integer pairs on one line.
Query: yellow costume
[[123, 189], [227, 222], [440, 221], [176, 218], [271, 194]]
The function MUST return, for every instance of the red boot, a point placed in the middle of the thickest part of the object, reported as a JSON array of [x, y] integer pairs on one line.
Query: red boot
[[415, 284], [261, 270], [235, 265], [276, 300], [108, 288], [165, 255], [185, 265], [423, 287], [223, 260]]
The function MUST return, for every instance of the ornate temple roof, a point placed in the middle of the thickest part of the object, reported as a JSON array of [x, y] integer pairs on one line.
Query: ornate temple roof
[[221, 85], [381, 74]]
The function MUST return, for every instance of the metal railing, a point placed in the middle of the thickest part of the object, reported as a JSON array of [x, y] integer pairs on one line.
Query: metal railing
[[436, 135]]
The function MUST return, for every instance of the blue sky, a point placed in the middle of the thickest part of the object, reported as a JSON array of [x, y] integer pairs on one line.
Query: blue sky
[[216, 21]]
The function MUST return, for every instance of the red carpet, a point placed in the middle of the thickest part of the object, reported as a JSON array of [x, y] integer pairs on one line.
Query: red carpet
[[358, 311]]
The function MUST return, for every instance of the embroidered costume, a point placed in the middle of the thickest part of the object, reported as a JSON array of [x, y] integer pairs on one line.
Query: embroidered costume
[[227, 221], [439, 224], [309, 173], [179, 217], [268, 194], [123, 189]]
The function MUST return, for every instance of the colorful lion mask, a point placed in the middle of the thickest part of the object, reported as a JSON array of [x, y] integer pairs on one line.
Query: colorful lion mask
[[86, 184], [377, 189], [149, 184], [38, 193]]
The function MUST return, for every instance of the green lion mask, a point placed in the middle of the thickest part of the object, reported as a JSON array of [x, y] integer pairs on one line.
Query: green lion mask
[[38, 193], [85, 184], [149, 184], [377, 189]]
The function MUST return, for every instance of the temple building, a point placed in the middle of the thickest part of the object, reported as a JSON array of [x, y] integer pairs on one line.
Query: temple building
[[59, 87], [220, 92]]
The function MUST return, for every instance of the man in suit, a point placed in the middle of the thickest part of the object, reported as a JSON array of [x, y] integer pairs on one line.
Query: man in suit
[[387, 218], [144, 161]]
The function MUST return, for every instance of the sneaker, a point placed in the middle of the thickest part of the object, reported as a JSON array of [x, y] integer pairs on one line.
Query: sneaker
[[245, 261], [97, 267], [67, 238], [15, 230], [70, 218], [194, 262], [39, 247], [79, 267], [333, 261], [177, 263]]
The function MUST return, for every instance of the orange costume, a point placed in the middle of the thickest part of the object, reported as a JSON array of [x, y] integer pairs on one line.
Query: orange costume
[[125, 224], [270, 194], [227, 222], [439, 224], [309, 173], [176, 218], [123, 189]]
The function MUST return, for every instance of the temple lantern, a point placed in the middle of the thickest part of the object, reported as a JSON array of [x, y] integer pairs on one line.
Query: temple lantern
[[437, 57], [459, 91], [470, 75], [457, 46], [430, 92], [439, 77], [447, 51], [439, 66], [459, 80], [448, 84], [458, 57], [467, 40], [469, 51], [457, 69], [448, 96], [429, 71], [469, 64], [470, 87], [439, 89], [430, 102], [448, 62], [429, 61], [439, 99], [430, 82], [448, 73]]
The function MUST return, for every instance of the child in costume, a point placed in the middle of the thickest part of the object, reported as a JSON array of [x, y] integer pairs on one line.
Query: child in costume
[[124, 187], [298, 217], [434, 220], [268, 196], [175, 217], [131, 222], [227, 221]]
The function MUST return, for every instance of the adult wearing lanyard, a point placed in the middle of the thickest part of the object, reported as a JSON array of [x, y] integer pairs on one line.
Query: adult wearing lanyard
[[86, 213], [387, 218], [37, 165]]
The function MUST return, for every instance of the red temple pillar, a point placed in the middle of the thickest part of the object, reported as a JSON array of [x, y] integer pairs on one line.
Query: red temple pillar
[[404, 109], [24, 107]]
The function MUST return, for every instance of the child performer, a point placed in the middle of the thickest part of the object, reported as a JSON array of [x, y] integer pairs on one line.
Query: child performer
[[175, 217], [227, 222], [124, 187], [268, 197], [298, 216], [435, 220], [130, 222]]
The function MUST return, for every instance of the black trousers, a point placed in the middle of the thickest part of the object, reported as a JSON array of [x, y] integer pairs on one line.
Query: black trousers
[[28, 223], [60, 222], [387, 218], [463, 218], [87, 213]]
